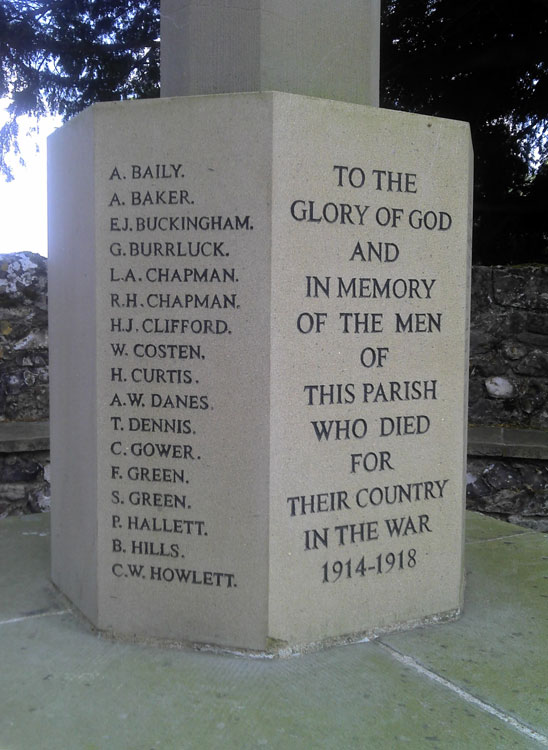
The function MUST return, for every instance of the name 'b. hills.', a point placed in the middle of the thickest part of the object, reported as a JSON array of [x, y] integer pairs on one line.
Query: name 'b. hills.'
[[279, 321]]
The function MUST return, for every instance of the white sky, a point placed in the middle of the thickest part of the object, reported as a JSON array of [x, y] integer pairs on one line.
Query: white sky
[[23, 207]]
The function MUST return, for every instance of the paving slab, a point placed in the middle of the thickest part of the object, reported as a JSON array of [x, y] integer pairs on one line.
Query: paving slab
[[480, 528], [497, 650], [71, 689], [62, 686], [25, 553]]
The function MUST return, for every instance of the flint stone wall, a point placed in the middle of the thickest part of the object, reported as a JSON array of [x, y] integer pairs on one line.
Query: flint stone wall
[[509, 387], [508, 384], [509, 347], [24, 397], [514, 490]]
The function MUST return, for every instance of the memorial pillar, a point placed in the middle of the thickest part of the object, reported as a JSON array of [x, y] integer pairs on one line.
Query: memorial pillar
[[259, 327]]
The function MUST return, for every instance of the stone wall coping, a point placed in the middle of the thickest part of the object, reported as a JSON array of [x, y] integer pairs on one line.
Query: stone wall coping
[[17, 437], [507, 442], [483, 440]]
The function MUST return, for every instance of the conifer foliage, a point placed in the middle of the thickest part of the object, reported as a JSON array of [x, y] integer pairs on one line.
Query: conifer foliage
[[483, 61], [486, 62], [60, 56]]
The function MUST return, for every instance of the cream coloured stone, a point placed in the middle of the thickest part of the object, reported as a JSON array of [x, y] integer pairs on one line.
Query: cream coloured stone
[[237, 388], [318, 48]]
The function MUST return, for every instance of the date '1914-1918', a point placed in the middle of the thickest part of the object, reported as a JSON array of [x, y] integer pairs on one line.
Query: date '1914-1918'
[[384, 563]]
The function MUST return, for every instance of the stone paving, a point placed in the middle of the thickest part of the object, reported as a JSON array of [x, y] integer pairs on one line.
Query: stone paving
[[479, 682]]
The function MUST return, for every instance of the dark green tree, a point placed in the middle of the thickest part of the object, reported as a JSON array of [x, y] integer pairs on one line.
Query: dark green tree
[[486, 62], [61, 56], [483, 61]]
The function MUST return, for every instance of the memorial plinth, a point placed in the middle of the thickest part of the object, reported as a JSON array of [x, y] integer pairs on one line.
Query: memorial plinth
[[259, 316]]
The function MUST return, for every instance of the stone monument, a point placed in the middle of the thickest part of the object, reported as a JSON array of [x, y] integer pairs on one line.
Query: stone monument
[[259, 324]]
